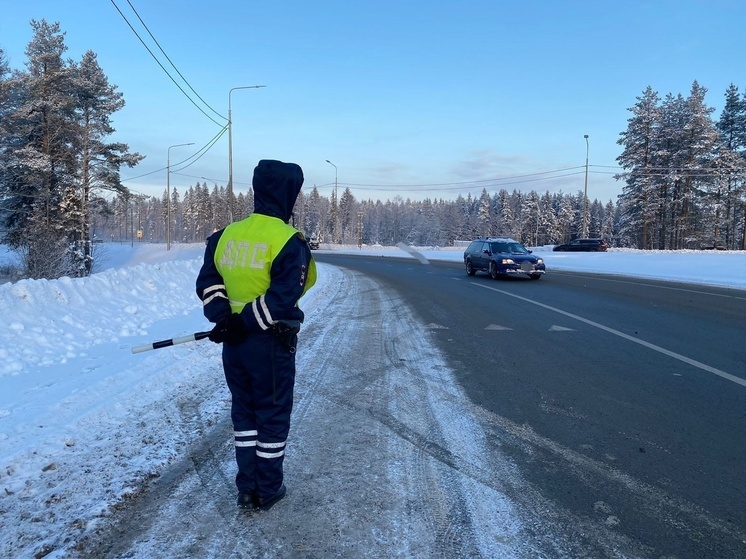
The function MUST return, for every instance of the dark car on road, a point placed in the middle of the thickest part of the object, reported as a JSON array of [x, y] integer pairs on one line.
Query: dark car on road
[[502, 257], [313, 241], [583, 245]]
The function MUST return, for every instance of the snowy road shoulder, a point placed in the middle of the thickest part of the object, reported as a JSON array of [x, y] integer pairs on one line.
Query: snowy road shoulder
[[367, 468], [82, 421]]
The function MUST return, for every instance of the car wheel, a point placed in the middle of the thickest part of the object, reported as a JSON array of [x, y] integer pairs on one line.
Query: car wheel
[[493, 270], [469, 268], [535, 276]]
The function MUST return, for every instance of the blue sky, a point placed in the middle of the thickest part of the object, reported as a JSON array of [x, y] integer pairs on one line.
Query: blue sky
[[412, 98]]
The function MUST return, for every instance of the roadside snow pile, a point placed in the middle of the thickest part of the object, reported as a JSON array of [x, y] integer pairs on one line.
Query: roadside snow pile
[[83, 421]]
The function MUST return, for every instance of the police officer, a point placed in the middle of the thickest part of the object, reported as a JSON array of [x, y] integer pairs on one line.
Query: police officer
[[253, 275]]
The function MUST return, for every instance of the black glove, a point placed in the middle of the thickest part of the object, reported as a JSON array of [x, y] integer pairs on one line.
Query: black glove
[[217, 334], [230, 330]]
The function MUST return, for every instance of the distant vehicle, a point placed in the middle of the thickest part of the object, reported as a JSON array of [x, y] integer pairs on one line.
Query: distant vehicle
[[583, 245], [715, 246], [502, 257], [313, 243]]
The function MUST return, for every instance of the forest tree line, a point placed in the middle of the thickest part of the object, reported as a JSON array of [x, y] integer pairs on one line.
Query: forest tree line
[[60, 187], [533, 218]]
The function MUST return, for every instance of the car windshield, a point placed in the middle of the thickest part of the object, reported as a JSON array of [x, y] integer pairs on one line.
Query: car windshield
[[513, 248]]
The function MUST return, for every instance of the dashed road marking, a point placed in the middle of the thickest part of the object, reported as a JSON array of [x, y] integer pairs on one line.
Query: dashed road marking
[[659, 349]]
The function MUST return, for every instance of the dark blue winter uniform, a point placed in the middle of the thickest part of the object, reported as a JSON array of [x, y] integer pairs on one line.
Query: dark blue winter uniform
[[253, 275]]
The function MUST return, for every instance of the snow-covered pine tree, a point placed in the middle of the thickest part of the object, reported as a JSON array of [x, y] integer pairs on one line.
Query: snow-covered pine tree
[[347, 216], [566, 219], [313, 215], [703, 138], [176, 217], [608, 227], [39, 151], [644, 210], [484, 218], [245, 203], [505, 222], [530, 212], [548, 224], [219, 204], [727, 168], [98, 162], [205, 218], [332, 227], [732, 127]]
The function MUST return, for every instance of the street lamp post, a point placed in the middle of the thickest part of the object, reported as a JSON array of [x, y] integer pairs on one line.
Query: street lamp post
[[585, 196], [335, 230], [230, 148], [168, 193]]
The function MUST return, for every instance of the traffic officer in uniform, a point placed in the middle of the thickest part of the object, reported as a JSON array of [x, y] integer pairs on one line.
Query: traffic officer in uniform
[[254, 272]]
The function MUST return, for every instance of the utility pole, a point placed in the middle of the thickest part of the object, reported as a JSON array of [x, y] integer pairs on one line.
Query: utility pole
[[360, 229], [335, 210], [230, 149], [585, 196]]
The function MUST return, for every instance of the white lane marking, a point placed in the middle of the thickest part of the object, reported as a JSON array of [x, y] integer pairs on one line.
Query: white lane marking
[[497, 327], [648, 345], [556, 328], [660, 286]]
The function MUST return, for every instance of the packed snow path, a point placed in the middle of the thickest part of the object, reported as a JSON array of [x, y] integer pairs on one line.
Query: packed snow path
[[368, 468]]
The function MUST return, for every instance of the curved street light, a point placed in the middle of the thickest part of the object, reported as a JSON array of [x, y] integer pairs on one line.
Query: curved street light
[[335, 176], [230, 148], [168, 193]]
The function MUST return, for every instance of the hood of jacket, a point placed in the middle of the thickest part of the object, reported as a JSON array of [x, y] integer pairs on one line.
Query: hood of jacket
[[276, 186]]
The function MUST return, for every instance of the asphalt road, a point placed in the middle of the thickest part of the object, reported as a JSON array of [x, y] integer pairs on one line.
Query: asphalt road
[[631, 394]]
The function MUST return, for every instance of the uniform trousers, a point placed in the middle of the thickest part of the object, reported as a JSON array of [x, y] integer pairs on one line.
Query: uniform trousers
[[260, 373]]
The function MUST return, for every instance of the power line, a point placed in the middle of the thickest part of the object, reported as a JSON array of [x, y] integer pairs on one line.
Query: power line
[[448, 187], [214, 180], [474, 182], [199, 152], [172, 64], [162, 67]]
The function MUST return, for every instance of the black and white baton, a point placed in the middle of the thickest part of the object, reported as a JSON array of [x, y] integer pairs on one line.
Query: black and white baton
[[173, 341]]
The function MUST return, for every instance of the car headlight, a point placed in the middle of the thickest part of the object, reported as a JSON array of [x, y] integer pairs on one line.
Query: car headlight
[[506, 261], [540, 261]]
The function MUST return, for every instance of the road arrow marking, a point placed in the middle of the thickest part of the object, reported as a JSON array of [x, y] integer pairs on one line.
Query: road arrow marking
[[659, 349]]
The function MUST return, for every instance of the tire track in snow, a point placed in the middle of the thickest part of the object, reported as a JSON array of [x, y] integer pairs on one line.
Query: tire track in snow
[[369, 467], [392, 364]]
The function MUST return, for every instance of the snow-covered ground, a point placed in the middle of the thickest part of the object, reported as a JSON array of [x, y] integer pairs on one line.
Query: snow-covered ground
[[84, 422]]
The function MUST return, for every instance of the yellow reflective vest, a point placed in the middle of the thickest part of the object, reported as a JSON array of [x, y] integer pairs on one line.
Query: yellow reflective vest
[[245, 253]]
